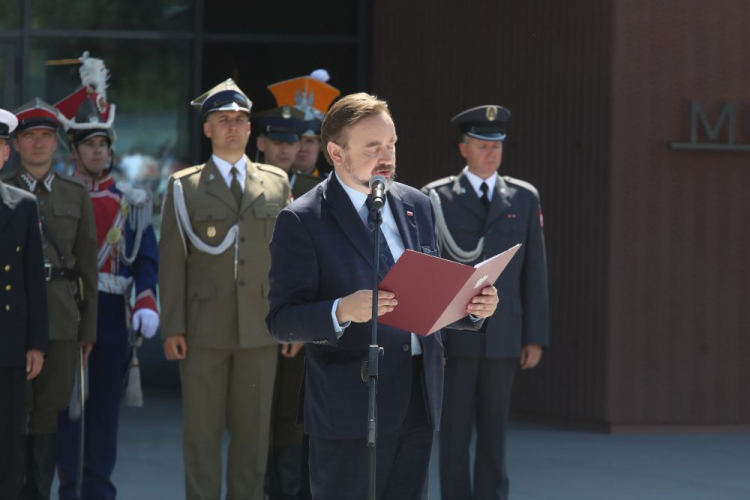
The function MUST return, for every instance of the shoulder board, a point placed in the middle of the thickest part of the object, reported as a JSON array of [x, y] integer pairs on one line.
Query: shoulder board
[[522, 184], [440, 182], [6, 174], [271, 169], [187, 171], [72, 180]]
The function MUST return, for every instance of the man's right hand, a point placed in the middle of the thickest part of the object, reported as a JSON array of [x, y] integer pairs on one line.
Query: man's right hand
[[175, 347], [357, 307]]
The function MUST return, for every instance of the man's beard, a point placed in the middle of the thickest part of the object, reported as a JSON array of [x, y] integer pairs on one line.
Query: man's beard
[[376, 171]]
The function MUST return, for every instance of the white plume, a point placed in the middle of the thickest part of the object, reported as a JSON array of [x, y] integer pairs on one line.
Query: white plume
[[321, 74], [94, 74]]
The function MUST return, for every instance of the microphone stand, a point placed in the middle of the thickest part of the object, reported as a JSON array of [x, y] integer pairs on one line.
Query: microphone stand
[[373, 358]]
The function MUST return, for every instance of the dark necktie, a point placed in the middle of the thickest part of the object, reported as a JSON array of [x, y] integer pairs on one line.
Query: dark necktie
[[484, 198], [235, 187], [386, 257]]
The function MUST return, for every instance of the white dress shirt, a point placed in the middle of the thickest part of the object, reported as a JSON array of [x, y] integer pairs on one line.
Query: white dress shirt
[[225, 169], [476, 183], [392, 236]]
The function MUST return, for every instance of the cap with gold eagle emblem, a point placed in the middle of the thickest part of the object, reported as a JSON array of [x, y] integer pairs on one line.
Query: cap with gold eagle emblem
[[226, 96], [486, 123]]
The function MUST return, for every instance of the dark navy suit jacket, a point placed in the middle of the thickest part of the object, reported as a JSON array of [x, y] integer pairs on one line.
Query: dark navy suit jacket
[[23, 290], [321, 251]]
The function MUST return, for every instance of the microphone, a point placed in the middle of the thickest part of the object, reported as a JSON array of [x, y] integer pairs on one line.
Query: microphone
[[377, 191]]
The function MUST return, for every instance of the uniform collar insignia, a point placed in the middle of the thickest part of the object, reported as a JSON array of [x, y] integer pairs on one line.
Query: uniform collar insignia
[[31, 181]]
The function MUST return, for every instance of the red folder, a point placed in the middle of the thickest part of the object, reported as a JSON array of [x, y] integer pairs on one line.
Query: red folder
[[434, 292]]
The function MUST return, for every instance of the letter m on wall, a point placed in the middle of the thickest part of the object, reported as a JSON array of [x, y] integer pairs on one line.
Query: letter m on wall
[[697, 114]]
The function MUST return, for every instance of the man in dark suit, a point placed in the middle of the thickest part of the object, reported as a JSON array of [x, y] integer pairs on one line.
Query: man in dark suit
[[481, 214], [23, 315], [321, 275]]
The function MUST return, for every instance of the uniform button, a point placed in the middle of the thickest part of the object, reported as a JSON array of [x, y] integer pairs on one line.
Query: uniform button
[[7, 288], [242, 239], [18, 249], [242, 262], [42, 217], [210, 217], [406, 347], [242, 282], [7, 268], [242, 217], [7, 308]]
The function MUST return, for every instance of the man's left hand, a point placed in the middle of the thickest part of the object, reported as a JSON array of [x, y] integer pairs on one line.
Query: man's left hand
[[291, 350], [484, 304], [530, 356]]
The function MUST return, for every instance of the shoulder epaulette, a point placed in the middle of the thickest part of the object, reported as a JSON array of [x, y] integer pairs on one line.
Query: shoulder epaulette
[[187, 171], [72, 180], [270, 168], [522, 184], [6, 175], [440, 182]]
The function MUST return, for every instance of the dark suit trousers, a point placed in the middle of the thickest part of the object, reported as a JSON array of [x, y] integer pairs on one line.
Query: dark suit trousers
[[339, 470], [12, 427], [477, 390]]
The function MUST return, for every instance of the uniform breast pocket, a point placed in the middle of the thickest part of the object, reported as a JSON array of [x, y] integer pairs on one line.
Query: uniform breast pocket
[[211, 224], [512, 233], [64, 226], [267, 213]]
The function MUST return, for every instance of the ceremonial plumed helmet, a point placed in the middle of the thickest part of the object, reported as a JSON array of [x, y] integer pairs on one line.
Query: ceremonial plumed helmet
[[310, 94], [483, 122], [226, 96], [86, 112]]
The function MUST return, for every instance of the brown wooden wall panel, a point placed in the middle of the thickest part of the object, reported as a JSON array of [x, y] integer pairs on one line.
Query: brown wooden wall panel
[[679, 292], [548, 62]]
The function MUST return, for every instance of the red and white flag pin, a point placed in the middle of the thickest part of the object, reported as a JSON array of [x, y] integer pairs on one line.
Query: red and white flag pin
[[409, 213]]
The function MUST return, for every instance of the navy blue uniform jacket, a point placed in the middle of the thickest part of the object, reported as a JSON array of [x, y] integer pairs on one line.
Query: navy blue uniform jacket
[[23, 299], [321, 251]]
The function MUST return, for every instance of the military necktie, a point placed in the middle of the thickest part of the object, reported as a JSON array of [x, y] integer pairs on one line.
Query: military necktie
[[235, 187], [386, 257], [484, 198]]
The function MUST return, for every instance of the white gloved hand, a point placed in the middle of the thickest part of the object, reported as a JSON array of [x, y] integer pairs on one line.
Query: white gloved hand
[[146, 321]]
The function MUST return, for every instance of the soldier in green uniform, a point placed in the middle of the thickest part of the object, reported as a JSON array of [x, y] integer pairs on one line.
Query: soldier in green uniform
[[23, 315], [69, 245], [217, 220]]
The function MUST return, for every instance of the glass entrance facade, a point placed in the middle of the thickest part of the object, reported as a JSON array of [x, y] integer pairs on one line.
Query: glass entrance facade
[[162, 53]]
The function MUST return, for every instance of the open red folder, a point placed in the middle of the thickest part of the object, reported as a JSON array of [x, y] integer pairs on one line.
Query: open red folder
[[434, 292]]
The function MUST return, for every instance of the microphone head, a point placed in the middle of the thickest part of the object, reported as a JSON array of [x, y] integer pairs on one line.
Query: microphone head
[[378, 179]]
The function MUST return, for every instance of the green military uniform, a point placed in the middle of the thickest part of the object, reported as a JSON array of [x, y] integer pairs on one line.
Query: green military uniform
[[302, 183], [67, 218], [219, 303], [69, 246]]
